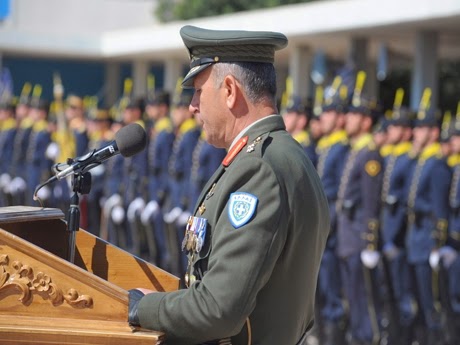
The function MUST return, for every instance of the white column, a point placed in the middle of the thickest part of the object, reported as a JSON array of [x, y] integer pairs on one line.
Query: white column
[[299, 70], [140, 72], [173, 71], [358, 57], [112, 82], [425, 72]]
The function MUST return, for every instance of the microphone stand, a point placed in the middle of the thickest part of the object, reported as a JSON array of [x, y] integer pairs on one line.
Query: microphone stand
[[81, 184]]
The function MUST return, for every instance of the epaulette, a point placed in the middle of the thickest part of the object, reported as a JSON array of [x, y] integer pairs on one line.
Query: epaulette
[[453, 160], [433, 150], [323, 142], [302, 138], [402, 148], [8, 124], [26, 123], [163, 125], [141, 123], [386, 150], [40, 126], [187, 126], [364, 141]]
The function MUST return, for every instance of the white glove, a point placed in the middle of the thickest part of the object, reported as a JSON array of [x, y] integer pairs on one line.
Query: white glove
[[183, 218], [112, 201], [391, 251], [5, 180], [172, 215], [118, 214], [434, 259], [370, 258], [44, 193], [151, 209], [448, 256], [52, 151], [135, 207], [17, 185]]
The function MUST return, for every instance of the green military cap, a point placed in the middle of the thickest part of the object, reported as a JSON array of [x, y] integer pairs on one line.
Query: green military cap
[[207, 47]]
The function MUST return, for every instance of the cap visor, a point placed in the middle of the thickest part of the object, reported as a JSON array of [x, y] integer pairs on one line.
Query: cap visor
[[188, 79]]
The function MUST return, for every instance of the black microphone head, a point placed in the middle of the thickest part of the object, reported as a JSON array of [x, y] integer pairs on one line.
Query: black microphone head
[[131, 139]]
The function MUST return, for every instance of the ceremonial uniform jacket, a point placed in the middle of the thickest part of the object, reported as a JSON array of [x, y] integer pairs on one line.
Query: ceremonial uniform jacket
[[159, 152], [7, 134], [358, 203], [262, 266], [332, 152], [395, 188], [428, 204], [454, 201], [304, 139]]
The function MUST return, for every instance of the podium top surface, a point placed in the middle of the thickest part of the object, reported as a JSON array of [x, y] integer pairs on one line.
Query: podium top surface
[[28, 213]]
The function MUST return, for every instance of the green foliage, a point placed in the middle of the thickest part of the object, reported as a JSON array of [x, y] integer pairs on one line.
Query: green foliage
[[168, 10]]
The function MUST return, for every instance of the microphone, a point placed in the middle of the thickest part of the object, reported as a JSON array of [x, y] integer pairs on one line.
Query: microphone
[[129, 140]]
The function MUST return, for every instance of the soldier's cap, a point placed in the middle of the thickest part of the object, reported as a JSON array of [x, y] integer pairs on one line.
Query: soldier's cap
[[8, 105], [183, 100], [100, 115], [427, 118], [40, 104], [402, 116], [335, 104], [136, 103], [159, 97], [295, 105], [207, 47]]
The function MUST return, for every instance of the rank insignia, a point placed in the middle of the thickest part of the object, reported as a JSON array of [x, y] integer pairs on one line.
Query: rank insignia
[[241, 208]]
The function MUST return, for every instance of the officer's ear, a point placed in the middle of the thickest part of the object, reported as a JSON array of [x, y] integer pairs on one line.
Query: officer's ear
[[232, 90]]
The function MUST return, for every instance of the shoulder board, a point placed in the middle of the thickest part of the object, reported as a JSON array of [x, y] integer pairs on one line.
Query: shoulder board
[[163, 125], [402, 148], [302, 138], [8, 124], [141, 123], [187, 126], [453, 160], [26, 123], [386, 150], [40, 126]]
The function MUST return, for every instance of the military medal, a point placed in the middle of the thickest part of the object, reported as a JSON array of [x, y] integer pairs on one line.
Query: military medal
[[194, 234]]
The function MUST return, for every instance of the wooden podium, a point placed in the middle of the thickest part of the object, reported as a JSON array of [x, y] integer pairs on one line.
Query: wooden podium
[[44, 299]]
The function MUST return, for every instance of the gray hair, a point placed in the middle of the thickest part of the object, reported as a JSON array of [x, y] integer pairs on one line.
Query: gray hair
[[257, 79]]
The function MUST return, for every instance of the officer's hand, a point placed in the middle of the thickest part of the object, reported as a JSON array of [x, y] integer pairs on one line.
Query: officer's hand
[[434, 259], [370, 258], [390, 251], [135, 295], [448, 256]]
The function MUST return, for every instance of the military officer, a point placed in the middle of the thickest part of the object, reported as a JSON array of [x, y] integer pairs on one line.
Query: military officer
[[134, 182], [296, 118], [159, 152], [7, 134], [38, 167], [428, 207], [18, 165], [358, 207], [398, 167], [100, 135], [332, 149], [180, 167], [254, 242], [450, 259]]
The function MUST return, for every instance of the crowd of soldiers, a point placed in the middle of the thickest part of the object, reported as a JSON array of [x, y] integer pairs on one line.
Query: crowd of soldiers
[[390, 268]]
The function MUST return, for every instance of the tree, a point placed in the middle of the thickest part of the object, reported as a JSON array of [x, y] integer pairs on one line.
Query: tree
[[168, 10]]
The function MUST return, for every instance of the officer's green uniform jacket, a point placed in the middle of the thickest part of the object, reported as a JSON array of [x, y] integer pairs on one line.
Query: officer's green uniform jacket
[[266, 269]]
